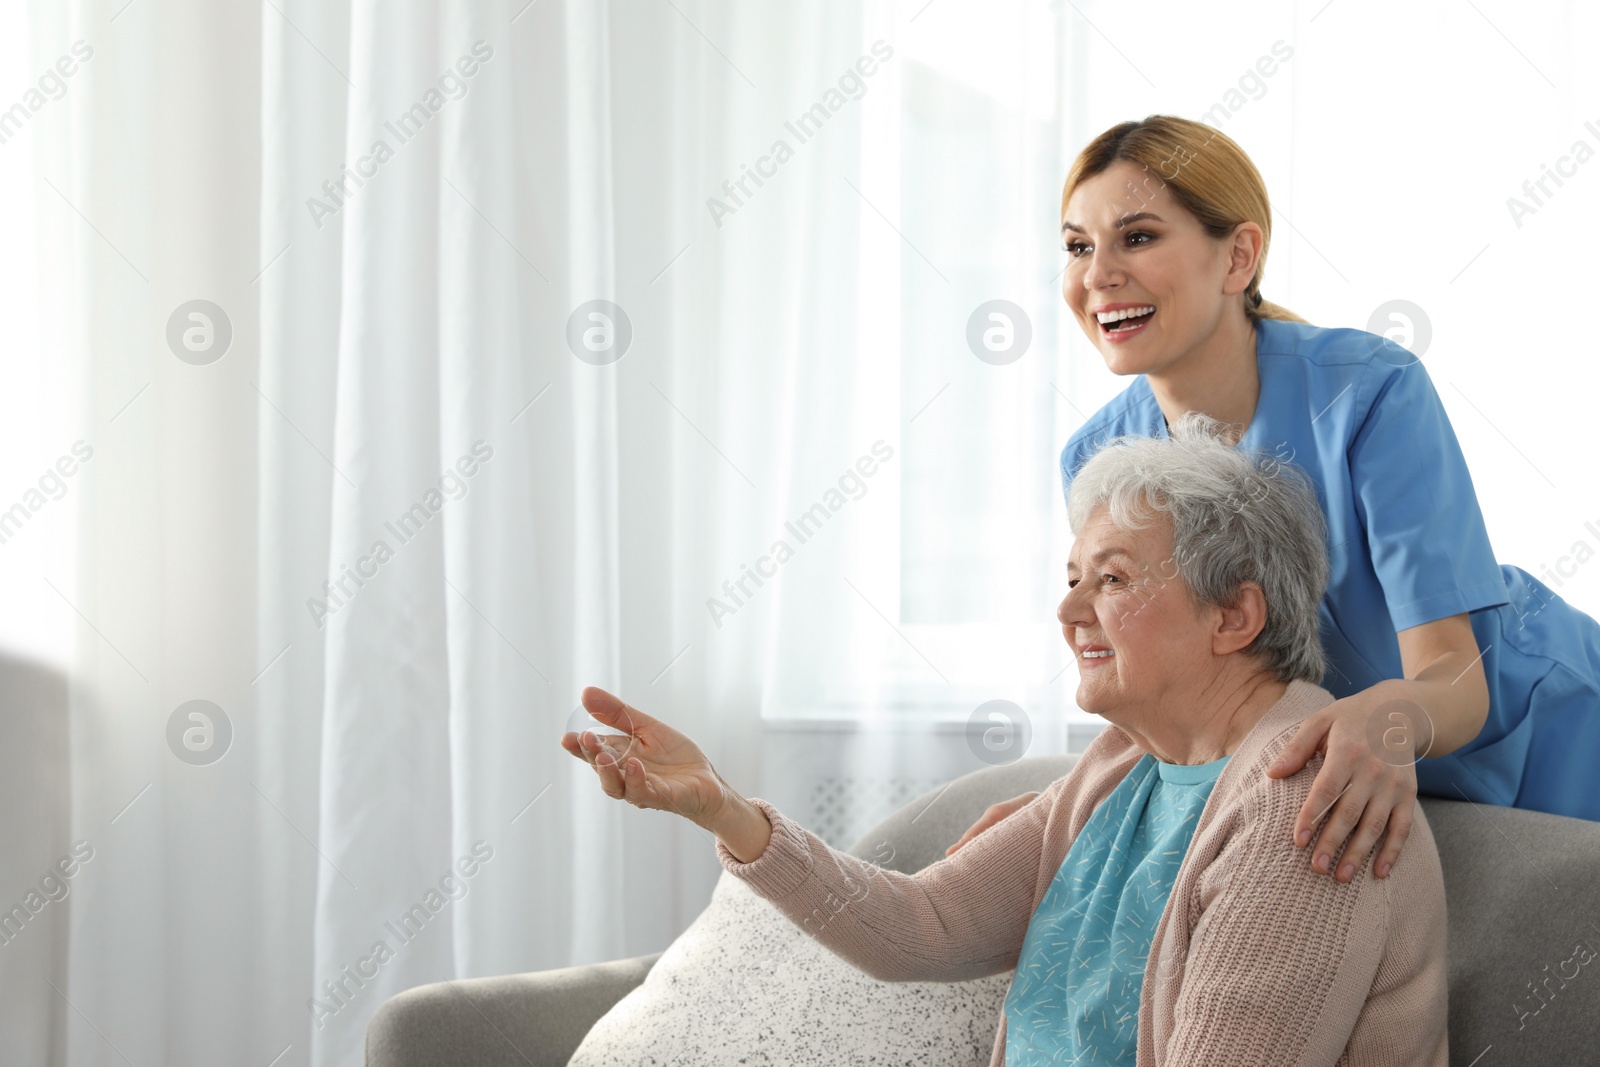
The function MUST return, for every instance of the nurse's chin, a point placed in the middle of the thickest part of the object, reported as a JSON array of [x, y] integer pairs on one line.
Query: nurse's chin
[[1121, 362]]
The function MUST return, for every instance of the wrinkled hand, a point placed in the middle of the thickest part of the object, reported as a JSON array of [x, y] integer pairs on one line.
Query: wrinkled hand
[[991, 815], [1370, 786], [654, 766]]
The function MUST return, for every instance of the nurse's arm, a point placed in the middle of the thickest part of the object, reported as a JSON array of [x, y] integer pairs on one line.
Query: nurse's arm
[[1371, 740], [1444, 673]]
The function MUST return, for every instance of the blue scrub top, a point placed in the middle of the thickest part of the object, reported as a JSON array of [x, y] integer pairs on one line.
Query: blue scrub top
[[1074, 996], [1407, 545]]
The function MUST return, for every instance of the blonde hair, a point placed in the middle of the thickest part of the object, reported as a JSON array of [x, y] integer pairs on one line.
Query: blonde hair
[[1204, 170]]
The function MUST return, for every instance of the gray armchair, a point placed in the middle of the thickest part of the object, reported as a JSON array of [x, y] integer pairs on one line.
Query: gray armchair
[[1523, 891]]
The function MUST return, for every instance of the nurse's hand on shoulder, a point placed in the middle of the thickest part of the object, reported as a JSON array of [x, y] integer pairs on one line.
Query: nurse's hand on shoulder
[[654, 766], [1368, 790]]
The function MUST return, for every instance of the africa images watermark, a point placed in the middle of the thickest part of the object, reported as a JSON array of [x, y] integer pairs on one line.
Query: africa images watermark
[[1528, 602], [199, 732], [53, 889], [453, 885], [52, 86], [1231, 104], [1252, 81], [1233, 101], [52, 486], [452, 86], [1541, 993], [1566, 167], [802, 529], [340, 590], [999, 732], [803, 127]]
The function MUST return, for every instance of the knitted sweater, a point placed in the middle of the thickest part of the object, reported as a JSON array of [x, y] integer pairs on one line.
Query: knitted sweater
[[1257, 958]]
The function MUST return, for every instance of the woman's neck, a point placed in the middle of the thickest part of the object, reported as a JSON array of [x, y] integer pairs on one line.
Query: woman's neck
[[1210, 724], [1217, 378]]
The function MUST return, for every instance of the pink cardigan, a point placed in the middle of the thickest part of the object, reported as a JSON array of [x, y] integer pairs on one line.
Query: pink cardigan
[[1257, 959]]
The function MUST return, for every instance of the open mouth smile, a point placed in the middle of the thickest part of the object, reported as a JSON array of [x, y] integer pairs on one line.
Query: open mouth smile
[[1119, 324]]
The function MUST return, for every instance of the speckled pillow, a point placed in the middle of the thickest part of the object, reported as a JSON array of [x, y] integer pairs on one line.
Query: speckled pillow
[[744, 985]]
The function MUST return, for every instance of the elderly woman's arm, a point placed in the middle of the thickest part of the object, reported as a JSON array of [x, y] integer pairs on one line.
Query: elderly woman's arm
[[960, 918], [963, 917]]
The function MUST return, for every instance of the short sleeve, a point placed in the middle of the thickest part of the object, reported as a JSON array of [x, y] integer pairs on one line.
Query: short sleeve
[[1412, 492], [1069, 467], [1079, 448]]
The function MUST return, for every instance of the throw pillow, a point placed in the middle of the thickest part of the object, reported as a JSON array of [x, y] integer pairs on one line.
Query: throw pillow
[[745, 986]]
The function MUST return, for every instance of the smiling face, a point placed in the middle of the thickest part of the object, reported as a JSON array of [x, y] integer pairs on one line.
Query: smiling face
[[1132, 247], [1143, 646]]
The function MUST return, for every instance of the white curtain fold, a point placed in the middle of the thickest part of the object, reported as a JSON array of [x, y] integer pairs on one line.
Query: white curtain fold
[[439, 519], [417, 503]]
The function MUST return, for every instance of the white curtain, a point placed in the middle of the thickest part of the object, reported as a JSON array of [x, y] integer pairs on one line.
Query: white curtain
[[429, 488], [395, 526]]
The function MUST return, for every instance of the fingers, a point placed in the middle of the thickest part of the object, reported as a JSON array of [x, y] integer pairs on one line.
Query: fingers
[[625, 779], [1333, 779], [611, 782], [972, 831], [1399, 829], [611, 711], [992, 814], [1333, 797], [590, 746], [1365, 799], [622, 777], [1301, 747], [578, 744], [1357, 814], [610, 744], [1360, 845]]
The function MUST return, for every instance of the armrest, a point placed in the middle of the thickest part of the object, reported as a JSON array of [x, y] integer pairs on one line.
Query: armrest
[[519, 1020]]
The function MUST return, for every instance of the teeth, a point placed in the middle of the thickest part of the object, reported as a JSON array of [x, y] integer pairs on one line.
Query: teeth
[[1117, 316], [1098, 655]]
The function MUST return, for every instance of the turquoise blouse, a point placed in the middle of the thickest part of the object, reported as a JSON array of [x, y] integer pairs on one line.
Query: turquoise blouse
[[1075, 995]]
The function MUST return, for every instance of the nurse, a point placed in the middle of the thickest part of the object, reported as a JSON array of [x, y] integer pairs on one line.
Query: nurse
[[1457, 677]]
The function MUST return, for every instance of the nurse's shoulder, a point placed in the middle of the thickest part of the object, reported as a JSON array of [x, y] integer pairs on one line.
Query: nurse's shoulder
[[1333, 349], [1335, 361], [1132, 411]]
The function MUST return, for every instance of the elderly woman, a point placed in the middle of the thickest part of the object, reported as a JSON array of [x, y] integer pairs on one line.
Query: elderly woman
[[1151, 902]]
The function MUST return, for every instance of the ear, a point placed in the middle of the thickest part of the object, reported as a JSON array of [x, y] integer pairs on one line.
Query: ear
[[1239, 623], [1243, 256]]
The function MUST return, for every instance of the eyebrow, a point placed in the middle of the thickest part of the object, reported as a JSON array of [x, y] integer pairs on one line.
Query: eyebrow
[[1123, 221], [1103, 555]]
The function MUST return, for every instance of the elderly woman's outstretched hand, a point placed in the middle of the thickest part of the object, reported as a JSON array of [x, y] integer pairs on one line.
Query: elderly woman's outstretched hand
[[654, 766]]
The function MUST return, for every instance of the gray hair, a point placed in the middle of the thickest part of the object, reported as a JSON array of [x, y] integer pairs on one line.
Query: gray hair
[[1237, 516]]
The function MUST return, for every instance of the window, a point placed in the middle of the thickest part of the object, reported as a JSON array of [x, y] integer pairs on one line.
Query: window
[[962, 158]]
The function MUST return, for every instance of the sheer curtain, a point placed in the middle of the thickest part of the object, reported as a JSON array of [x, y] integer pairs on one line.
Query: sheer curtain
[[378, 483], [385, 374]]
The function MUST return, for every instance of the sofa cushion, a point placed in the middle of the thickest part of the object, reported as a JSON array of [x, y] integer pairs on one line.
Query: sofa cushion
[[743, 985], [1524, 921]]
